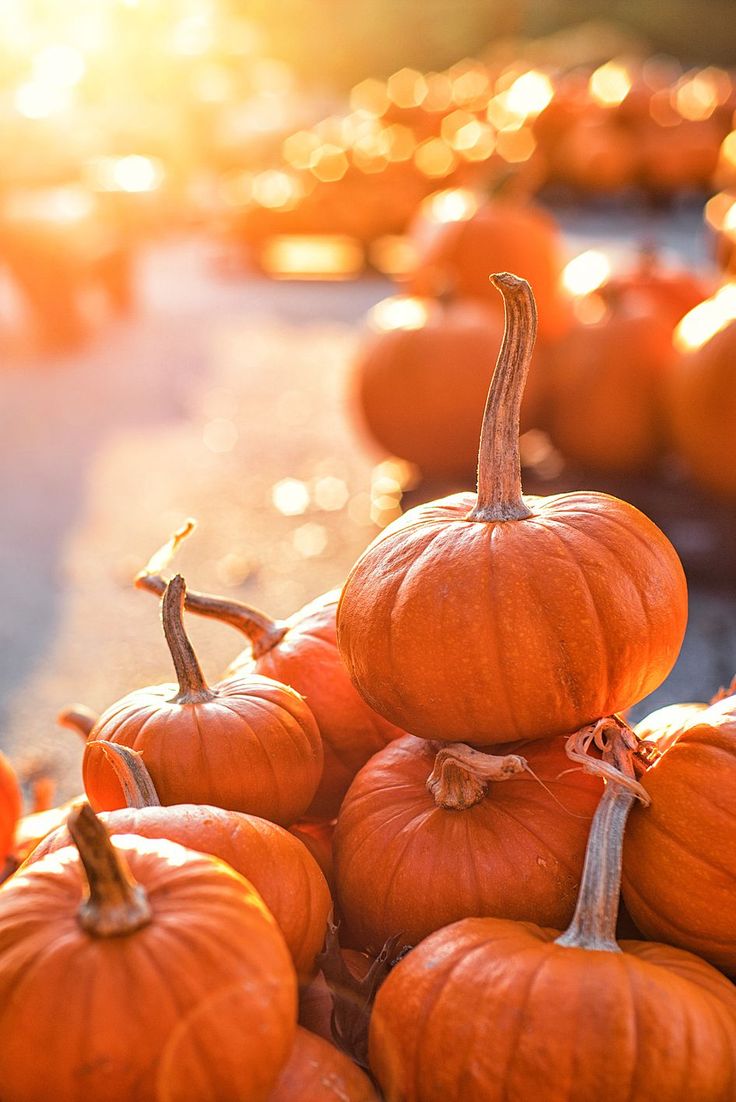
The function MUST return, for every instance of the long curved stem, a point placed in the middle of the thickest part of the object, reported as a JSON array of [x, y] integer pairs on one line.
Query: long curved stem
[[594, 923], [192, 685], [115, 905], [499, 465], [78, 718], [135, 780], [262, 631]]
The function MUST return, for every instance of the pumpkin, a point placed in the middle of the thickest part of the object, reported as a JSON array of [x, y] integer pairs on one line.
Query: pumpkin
[[679, 157], [317, 838], [278, 866], [679, 878], [301, 652], [318, 1072], [596, 155], [490, 618], [428, 836], [420, 381], [459, 240], [247, 744], [702, 397], [10, 809], [487, 1010], [182, 985], [607, 403], [667, 290]]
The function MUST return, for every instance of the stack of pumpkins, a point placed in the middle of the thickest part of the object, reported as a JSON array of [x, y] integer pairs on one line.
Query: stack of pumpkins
[[490, 626], [621, 378]]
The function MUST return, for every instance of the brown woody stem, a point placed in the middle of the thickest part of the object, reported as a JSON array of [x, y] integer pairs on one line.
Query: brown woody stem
[[115, 905], [461, 775], [594, 923], [499, 466], [135, 780], [262, 631], [79, 718], [192, 685]]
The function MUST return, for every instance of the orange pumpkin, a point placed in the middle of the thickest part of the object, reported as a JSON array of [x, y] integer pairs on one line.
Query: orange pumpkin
[[607, 403], [426, 837], [680, 852], [421, 377], [488, 1010], [182, 985], [667, 290], [317, 838], [10, 808], [460, 240], [301, 652], [491, 617], [247, 744], [702, 398], [318, 1072], [596, 155], [279, 867]]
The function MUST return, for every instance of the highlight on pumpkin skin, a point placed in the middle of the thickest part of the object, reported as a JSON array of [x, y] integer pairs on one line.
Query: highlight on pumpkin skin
[[706, 319]]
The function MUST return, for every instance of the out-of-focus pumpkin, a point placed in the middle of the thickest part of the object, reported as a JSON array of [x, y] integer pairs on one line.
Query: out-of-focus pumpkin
[[607, 406], [488, 1010], [300, 651], [679, 878], [10, 808], [427, 837], [182, 987], [421, 379], [278, 866], [460, 240], [703, 393], [247, 744], [489, 618]]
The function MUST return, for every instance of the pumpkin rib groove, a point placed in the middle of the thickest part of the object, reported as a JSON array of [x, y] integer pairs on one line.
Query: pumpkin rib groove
[[488, 576], [683, 845], [600, 633]]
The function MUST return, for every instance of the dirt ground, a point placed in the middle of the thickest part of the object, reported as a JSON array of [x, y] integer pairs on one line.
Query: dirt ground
[[225, 399]]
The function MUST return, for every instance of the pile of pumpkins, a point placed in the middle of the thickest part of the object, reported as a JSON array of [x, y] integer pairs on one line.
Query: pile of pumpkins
[[635, 369], [434, 757], [643, 125]]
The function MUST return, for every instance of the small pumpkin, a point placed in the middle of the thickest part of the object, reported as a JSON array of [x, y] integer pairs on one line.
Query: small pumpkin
[[607, 404], [429, 835], [317, 838], [301, 652], [669, 290], [459, 242], [247, 744], [702, 394], [316, 1071], [679, 877], [490, 618], [182, 985], [421, 377], [487, 1010], [278, 866]]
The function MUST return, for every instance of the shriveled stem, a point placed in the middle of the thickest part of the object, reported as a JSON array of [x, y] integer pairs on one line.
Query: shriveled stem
[[262, 631], [594, 923], [499, 465], [135, 780], [78, 718], [115, 905], [461, 775], [192, 685]]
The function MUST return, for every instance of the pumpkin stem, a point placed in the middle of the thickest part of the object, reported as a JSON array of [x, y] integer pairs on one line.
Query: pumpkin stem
[[192, 686], [78, 718], [461, 775], [130, 770], [262, 631], [115, 905], [499, 465], [352, 998], [594, 922]]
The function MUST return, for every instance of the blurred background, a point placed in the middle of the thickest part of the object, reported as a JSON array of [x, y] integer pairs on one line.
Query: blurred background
[[244, 251]]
